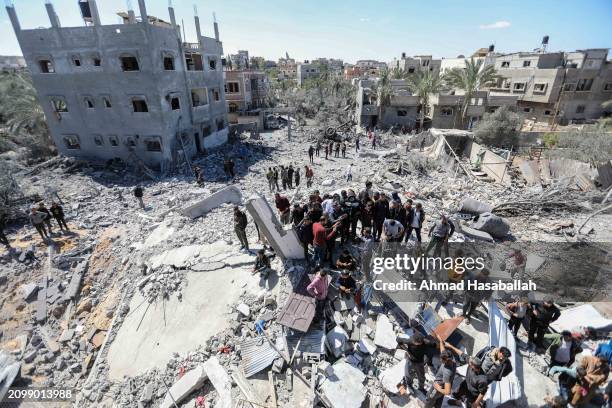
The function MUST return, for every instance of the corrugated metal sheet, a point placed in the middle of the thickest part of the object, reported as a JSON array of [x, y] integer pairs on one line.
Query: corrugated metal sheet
[[312, 342], [298, 312], [509, 388], [256, 355]]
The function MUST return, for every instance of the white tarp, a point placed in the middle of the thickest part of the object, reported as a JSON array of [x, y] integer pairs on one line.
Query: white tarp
[[509, 388], [583, 315]]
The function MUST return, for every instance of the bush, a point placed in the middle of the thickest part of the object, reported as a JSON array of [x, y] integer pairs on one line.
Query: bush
[[591, 144], [550, 139], [498, 128]]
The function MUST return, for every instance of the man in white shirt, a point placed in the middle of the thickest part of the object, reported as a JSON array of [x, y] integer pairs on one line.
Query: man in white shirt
[[349, 172], [393, 230]]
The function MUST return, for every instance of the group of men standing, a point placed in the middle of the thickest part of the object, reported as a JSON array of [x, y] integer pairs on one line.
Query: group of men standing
[[288, 176], [40, 218]]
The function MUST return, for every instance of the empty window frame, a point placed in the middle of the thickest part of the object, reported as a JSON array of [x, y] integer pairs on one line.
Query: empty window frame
[[76, 60], [540, 87], [446, 112], [199, 97], [518, 86], [72, 142], [608, 87], [212, 63], [129, 63], [232, 87], [527, 110], [96, 60], [569, 87], [46, 66], [139, 104], [580, 109], [175, 102], [584, 84], [59, 104], [526, 64], [107, 102], [89, 102], [193, 61], [168, 62], [402, 112], [113, 141], [153, 145], [98, 140], [220, 124], [410, 70], [505, 64], [547, 112], [130, 141], [216, 95]]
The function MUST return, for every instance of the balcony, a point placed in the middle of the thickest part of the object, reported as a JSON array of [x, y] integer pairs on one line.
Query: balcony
[[191, 46]]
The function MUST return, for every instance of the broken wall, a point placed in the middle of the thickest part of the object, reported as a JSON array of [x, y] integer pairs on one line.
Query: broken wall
[[492, 164]]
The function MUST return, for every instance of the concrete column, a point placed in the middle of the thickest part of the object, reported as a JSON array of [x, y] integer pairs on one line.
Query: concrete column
[[173, 21], [95, 16], [216, 27], [131, 17], [197, 23], [143, 11], [52, 16], [10, 10]]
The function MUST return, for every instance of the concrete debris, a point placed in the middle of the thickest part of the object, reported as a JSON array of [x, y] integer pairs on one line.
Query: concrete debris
[[471, 206], [492, 224], [393, 376], [188, 383], [221, 381], [230, 194], [345, 388], [336, 340], [244, 309], [385, 335]]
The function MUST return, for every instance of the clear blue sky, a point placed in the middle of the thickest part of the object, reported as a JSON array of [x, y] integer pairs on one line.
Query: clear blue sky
[[355, 29]]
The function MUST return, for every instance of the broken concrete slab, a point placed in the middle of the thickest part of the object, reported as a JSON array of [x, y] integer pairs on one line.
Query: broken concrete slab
[[179, 257], [472, 206], [188, 383], [344, 388], [336, 339], [28, 291], [492, 224], [41, 301], [392, 376], [366, 345], [285, 242], [244, 309], [159, 235], [385, 335], [472, 233], [221, 380], [230, 194], [533, 263]]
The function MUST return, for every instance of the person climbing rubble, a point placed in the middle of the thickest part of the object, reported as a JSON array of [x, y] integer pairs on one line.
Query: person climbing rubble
[[138, 193], [284, 208], [58, 213], [240, 225], [417, 349], [262, 264], [37, 219], [443, 381], [440, 232], [541, 315]]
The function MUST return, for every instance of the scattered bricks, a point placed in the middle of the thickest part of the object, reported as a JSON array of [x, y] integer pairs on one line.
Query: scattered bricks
[[28, 291]]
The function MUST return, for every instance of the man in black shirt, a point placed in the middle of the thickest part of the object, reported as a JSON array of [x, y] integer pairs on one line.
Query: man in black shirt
[[416, 350], [346, 284], [542, 315], [240, 225]]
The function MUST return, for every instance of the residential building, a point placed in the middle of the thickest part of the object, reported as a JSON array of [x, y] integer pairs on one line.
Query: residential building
[[134, 91], [12, 63], [417, 63], [245, 93], [370, 68], [239, 60], [287, 68], [333, 65], [557, 87], [307, 71]]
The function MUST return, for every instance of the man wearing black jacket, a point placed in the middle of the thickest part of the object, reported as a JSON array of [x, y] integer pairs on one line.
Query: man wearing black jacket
[[306, 235], [240, 224], [542, 315], [381, 211], [416, 349]]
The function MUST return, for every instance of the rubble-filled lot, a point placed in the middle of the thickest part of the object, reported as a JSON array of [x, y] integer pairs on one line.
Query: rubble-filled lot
[[139, 307]]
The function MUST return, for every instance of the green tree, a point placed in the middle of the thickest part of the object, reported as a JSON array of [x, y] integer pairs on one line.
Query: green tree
[[423, 84], [398, 73], [499, 128], [383, 91], [470, 79]]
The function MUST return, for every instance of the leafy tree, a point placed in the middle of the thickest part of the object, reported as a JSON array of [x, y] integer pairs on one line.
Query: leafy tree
[[499, 128], [384, 91], [591, 144], [423, 84], [398, 73], [470, 79]]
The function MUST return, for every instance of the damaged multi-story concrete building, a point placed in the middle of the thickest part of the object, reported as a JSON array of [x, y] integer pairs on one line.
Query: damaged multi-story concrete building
[[135, 91], [245, 92], [417, 63], [557, 87]]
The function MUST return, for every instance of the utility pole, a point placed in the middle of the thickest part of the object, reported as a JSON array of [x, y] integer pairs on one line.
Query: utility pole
[[288, 126]]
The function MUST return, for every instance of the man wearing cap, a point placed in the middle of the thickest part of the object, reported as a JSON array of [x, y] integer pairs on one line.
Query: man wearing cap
[[443, 380], [542, 315], [563, 348], [240, 224]]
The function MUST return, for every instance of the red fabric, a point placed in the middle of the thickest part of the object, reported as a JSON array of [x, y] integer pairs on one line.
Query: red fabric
[[282, 204], [320, 234]]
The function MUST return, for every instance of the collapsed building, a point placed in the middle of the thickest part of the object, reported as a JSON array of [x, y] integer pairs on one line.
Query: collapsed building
[[135, 91]]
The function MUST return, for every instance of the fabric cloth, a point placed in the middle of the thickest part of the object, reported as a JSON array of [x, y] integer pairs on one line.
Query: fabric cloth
[[318, 287]]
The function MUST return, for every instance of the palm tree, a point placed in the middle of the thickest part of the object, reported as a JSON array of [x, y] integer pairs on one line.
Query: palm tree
[[470, 79], [383, 91], [398, 73], [25, 115], [423, 84]]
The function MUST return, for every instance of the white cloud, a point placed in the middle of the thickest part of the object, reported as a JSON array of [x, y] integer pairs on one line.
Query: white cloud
[[495, 25], [364, 19]]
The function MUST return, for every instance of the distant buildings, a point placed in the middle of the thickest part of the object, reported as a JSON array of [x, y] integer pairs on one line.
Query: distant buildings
[[133, 91], [245, 93], [287, 68], [239, 60], [417, 63], [12, 63]]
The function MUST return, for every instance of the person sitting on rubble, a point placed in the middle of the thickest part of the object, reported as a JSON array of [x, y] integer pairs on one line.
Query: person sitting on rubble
[[495, 362], [440, 232], [42, 209], [58, 213], [597, 370], [542, 315], [563, 348], [346, 261], [346, 284], [3, 238], [517, 311], [262, 264], [37, 219], [417, 349]]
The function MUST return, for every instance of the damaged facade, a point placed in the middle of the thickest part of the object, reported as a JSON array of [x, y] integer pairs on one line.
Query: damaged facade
[[134, 91]]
